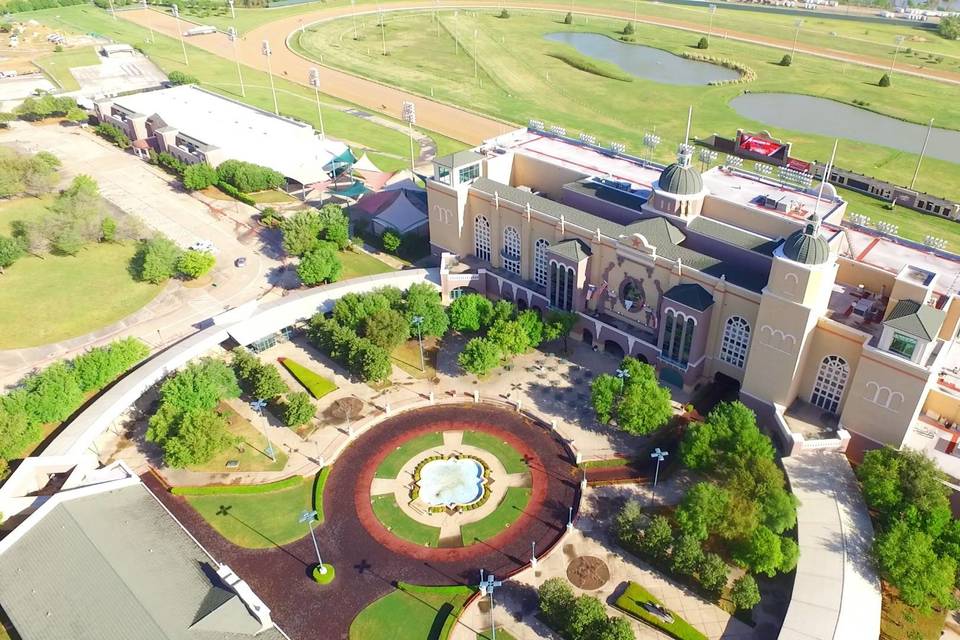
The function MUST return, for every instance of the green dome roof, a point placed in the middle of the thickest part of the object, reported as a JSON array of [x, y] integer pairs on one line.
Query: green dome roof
[[807, 246], [681, 179]]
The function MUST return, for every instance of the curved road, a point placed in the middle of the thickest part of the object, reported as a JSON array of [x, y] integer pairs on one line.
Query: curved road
[[454, 122]]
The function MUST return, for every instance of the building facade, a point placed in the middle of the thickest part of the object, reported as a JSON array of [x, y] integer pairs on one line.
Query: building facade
[[723, 275]]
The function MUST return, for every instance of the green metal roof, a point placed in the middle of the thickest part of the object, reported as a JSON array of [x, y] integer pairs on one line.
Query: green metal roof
[[915, 319], [690, 295], [573, 249], [807, 246], [681, 180]]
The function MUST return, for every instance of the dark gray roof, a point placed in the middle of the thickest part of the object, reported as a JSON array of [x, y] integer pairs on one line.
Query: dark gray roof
[[657, 230], [573, 249], [732, 235], [915, 319], [807, 246], [117, 565], [459, 158], [681, 180], [629, 199], [690, 295]]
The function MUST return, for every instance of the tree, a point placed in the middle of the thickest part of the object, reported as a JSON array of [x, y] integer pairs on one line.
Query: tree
[[298, 409], [386, 328], [644, 405], [568, 19], [17, 432], [703, 43], [657, 538], [603, 394], [701, 509], [480, 356], [390, 241], [729, 433], [907, 560], [320, 265], [199, 176], [587, 617], [949, 27], [686, 555], [113, 134], [745, 594], [156, 260], [502, 311], [108, 229], [353, 308], [267, 383], [199, 386], [194, 264], [78, 115], [791, 554], [510, 336], [559, 324], [556, 602], [52, 394], [504, 14], [713, 573], [249, 177], [884, 80], [627, 523], [335, 225], [786, 60], [10, 251], [176, 77], [628, 29], [370, 362], [199, 436], [529, 320], [778, 509], [616, 628], [301, 232], [99, 366], [423, 300], [761, 552], [470, 312], [905, 485]]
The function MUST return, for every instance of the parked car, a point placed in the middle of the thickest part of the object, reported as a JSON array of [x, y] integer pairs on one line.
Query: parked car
[[203, 245]]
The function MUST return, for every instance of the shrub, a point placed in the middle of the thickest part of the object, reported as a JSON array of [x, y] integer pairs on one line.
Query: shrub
[[786, 60], [235, 193], [628, 29], [179, 77], [11, 250], [156, 260], [713, 573], [948, 28], [270, 218], [199, 176], [112, 134], [568, 19], [390, 241], [298, 409], [314, 383], [504, 14], [249, 177], [238, 489], [703, 43], [884, 80], [319, 482], [194, 264], [745, 594]]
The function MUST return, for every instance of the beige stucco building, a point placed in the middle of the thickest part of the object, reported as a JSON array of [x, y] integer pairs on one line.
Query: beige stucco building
[[723, 275]]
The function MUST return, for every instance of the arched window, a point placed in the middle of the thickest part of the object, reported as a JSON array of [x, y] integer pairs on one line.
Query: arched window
[[830, 382], [736, 341], [540, 262], [481, 238], [561, 286], [678, 332], [668, 323], [511, 250], [687, 341]]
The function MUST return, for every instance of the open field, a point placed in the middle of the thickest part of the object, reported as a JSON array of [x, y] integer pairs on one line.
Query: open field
[[517, 80], [57, 65], [913, 224], [220, 75]]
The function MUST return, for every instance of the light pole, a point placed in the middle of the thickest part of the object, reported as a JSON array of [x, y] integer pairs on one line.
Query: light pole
[[266, 51], [408, 112], [113, 12], [923, 150], [895, 52], [232, 34], [143, 5], [176, 16], [796, 36], [383, 33], [258, 405], [315, 83], [418, 323], [476, 67], [533, 554], [309, 517], [570, 517], [659, 454], [486, 589], [713, 10], [354, 16], [233, 10], [623, 374]]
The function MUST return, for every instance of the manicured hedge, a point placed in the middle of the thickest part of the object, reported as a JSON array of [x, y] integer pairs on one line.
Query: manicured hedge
[[318, 484], [631, 603], [218, 489], [235, 193], [314, 383]]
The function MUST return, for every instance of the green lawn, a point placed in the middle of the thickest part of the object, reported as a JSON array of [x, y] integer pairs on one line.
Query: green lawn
[[501, 635], [514, 502], [411, 613], [250, 453], [271, 196], [509, 457], [407, 357], [58, 65], [391, 465], [58, 297], [913, 224], [357, 264], [390, 515], [518, 79], [632, 601], [259, 520]]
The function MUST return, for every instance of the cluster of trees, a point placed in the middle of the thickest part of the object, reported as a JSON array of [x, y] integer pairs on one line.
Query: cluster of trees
[[949, 27], [262, 381], [23, 174], [917, 546], [187, 425], [315, 237], [583, 618], [50, 106], [248, 177], [56, 392], [112, 134], [508, 332], [365, 328], [634, 399], [16, 6], [159, 259]]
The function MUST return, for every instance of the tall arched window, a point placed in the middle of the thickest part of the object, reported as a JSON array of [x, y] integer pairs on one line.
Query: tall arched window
[[678, 332], [540, 262], [481, 238], [668, 323], [511, 250], [830, 382], [736, 341], [561, 286]]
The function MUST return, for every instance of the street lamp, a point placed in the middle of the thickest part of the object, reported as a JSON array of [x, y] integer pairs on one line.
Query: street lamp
[[622, 374], [309, 517], [895, 52], [796, 35], [232, 34], [713, 10], [353, 14], [533, 554], [409, 114], [418, 323], [923, 150], [476, 72], [266, 51], [175, 10], [315, 83], [659, 454], [233, 11], [486, 589], [258, 405], [570, 517], [383, 33]]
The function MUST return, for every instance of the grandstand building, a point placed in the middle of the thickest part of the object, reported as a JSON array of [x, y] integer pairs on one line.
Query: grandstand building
[[834, 332]]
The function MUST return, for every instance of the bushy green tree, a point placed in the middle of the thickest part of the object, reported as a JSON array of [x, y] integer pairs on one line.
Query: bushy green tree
[[730, 432], [470, 312], [637, 401], [267, 383], [194, 264], [587, 618], [628, 29], [761, 552], [558, 325], [510, 336], [199, 176], [335, 225], [529, 320], [156, 260], [556, 602], [657, 538], [627, 523], [884, 80], [502, 311], [390, 241], [480, 356], [786, 60], [790, 551], [686, 555], [745, 594], [713, 573], [423, 300], [52, 394], [113, 134], [177, 77], [249, 177], [298, 409], [701, 510], [200, 386], [703, 43], [905, 484], [603, 396], [200, 435], [301, 232], [568, 19], [370, 362], [907, 560], [353, 308], [108, 229], [949, 27], [17, 432], [386, 328], [100, 366], [11, 250], [320, 265]]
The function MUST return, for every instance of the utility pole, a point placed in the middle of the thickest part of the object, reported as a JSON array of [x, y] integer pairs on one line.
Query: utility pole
[[176, 14], [266, 51], [315, 83], [310, 517], [232, 34], [659, 454], [476, 72], [353, 14], [796, 36], [923, 150], [895, 52]]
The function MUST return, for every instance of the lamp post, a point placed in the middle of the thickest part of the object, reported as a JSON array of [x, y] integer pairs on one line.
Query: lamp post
[[418, 323], [354, 16], [315, 83], [143, 6], [233, 10], [487, 587], [796, 36], [383, 33], [923, 150], [533, 554], [175, 10], [409, 114], [659, 454], [476, 68], [309, 517], [258, 405], [622, 374], [570, 517], [266, 51], [232, 34], [895, 52], [713, 10]]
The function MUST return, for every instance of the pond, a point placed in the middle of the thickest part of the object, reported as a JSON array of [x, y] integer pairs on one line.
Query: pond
[[644, 62], [830, 118]]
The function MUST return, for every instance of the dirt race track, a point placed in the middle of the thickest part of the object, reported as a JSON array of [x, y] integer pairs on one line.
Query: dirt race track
[[445, 119]]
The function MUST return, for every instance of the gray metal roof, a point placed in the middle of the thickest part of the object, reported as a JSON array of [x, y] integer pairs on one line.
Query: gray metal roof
[[117, 565], [573, 249], [915, 319], [690, 295], [732, 235], [459, 158]]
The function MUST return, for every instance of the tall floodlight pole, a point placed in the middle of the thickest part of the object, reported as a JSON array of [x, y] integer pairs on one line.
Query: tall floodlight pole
[[418, 323], [895, 52], [659, 454], [487, 587], [258, 405], [232, 34], [713, 10], [113, 12], [233, 10], [309, 517], [143, 5], [315, 83], [268, 53], [826, 177], [796, 36], [923, 150], [476, 73], [383, 33], [408, 112], [176, 16]]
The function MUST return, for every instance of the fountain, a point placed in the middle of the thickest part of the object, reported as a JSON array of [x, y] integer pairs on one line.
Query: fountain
[[451, 482]]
